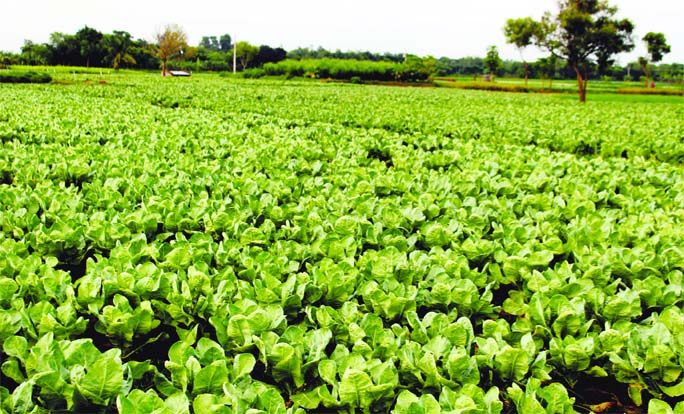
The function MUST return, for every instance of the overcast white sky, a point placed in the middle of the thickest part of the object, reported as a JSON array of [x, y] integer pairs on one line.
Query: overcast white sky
[[455, 28]]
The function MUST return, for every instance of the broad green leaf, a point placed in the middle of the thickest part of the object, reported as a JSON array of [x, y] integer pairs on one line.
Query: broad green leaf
[[461, 332], [512, 364], [673, 390], [437, 235], [515, 303], [525, 401], [656, 406], [270, 400], [287, 362], [492, 401], [430, 404], [327, 369], [10, 323], [557, 399], [345, 225], [661, 362], [208, 351], [125, 406], [22, 398], [513, 266], [210, 379], [540, 259], [356, 389], [141, 402], [178, 403], [635, 393], [679, 408], [210, 404], [7, 289], [319, 396], [575, 357], [16, 346], [136, 369], [103, 380], [309, 400], [179, 258], [253, 235], [317, 341], [407, 403], [80, 352], [11, 369], [243, 364], [428, 366]]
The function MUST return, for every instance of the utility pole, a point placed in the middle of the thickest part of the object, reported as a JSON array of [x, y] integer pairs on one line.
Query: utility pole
[[234, 57]]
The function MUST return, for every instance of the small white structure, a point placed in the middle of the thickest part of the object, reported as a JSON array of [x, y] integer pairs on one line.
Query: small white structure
[[178, 73]]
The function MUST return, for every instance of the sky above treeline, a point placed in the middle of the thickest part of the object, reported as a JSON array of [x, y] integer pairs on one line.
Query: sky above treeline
[[452, 28]]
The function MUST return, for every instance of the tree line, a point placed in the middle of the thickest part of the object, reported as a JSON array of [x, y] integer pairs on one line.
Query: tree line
[[89, 47], [560, 69], [92, 48]]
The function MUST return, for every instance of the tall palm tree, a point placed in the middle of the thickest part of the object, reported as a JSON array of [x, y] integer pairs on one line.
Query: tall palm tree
[[119, 43]]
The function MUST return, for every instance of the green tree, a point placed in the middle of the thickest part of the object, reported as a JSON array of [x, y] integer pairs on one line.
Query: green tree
[[521, 33], [119, 45], [657, 47], [415, 68], [90, 42], [246, 53], [584, 33], [673, 72], [267, 54], [145, 54], [34, 53], [492, 61], [546, 69], [170, 43], [7, 59], [225, 43], [209, 43], [65, 49]]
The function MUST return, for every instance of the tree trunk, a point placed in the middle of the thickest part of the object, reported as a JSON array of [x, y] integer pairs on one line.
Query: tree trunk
[[526, 71], [648, 75], [581, 84], [586, 80], [163, 67]]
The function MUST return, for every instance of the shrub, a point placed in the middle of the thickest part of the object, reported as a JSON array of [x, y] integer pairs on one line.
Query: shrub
[[343, 69], [643, 91], [254, 73], [24, 77], [490, 86]]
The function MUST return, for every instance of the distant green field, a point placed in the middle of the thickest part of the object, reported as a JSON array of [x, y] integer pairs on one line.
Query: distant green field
[[674, 92], [220, 245], [572, 84]]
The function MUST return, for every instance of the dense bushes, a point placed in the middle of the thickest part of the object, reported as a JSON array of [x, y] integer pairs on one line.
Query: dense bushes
[[411, 70], [24, 77], [332, 68], [497, 87], [644, 91]]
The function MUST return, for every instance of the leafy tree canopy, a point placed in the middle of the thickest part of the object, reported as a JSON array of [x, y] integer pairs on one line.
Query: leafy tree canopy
[[584, 33]]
